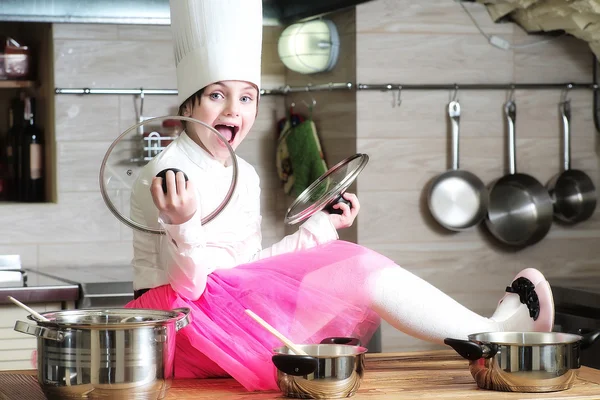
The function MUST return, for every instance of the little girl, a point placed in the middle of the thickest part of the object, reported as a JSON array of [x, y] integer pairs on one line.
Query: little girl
[[310, 285]]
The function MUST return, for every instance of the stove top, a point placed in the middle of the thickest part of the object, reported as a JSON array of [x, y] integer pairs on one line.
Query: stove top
[[580, 296], [101, 286], [32, 286]]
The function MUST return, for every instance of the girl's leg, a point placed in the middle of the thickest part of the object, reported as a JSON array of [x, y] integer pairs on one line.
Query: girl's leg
[[417, 308]]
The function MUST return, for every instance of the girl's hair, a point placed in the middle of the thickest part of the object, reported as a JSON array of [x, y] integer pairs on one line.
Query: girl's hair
[[190, 102]]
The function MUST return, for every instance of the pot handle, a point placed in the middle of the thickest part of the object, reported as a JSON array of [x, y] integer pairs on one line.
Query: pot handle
[[295, 365], [183, 321], [39, 331], [589, 338], [350, 341], [471, 350]]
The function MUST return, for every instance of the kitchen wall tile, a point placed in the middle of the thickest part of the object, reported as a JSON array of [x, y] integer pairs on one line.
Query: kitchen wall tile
[[426, 16], [410, 164], [78, 217], [86, 118], [402, 217], [424, 113], [99, 254], [428, 58], [272, 69], [113, 64], [85, 31], [147, 33], [28, 253], [79, 165], [564, 59]]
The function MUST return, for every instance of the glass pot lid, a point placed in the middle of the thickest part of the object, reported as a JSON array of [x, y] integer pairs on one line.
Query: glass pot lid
[[327, 190], [126, 158]]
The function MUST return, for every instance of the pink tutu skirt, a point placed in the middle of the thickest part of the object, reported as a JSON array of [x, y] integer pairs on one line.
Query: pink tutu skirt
[[306, 295]]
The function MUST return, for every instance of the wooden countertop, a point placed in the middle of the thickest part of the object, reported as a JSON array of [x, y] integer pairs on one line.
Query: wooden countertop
[[416, 375]]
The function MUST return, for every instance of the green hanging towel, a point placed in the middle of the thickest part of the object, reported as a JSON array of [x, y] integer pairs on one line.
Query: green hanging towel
[[305, 155]]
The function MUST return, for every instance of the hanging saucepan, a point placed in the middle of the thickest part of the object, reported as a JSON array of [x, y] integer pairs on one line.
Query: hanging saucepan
[[457, 199], [572, 191], [520, 208], [523, 361]]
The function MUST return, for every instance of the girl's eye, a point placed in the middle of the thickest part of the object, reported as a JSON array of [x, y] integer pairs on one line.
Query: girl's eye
[[216, 96], [246, 99]]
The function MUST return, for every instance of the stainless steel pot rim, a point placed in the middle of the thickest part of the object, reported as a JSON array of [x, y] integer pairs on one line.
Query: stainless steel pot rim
[[525, 338], [110, 317], [326, 350]]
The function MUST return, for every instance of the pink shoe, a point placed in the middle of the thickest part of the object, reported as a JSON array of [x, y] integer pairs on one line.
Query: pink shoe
[[534, 291]]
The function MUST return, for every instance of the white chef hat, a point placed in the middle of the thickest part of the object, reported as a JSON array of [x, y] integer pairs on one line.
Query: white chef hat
[[216, 40]]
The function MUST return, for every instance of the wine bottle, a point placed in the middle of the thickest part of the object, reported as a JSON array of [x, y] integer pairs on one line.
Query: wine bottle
[[13, 148], [32, 143]]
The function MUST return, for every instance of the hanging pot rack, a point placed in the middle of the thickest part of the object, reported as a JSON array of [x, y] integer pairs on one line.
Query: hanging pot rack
[[351, 86]]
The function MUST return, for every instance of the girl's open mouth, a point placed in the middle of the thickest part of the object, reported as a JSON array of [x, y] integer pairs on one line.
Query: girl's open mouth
[[227, 131]]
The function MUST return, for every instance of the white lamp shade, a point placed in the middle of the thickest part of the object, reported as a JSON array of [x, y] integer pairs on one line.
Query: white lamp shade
[[309, 47]]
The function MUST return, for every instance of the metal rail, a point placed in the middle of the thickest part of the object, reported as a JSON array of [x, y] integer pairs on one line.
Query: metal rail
[[351, 86]]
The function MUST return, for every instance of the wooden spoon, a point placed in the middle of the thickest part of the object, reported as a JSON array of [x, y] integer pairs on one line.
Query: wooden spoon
[[31, 311], [277, 334]]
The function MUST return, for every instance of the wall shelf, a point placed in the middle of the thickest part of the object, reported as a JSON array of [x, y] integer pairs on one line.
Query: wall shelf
[[16, 84]]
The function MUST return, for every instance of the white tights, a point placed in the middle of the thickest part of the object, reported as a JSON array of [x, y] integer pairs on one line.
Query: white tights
[[413, 306]]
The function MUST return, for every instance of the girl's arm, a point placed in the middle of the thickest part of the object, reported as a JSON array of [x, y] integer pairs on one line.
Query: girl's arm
[[185, 252], [317, 230]]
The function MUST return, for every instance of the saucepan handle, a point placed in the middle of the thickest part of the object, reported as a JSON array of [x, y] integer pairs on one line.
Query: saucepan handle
[[295, 365], [471, 350], [588, 338], [341, 340], [39, 331], [184, 320]]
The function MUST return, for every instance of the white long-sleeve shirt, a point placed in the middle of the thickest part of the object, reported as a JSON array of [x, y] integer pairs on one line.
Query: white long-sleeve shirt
[[189, 252]]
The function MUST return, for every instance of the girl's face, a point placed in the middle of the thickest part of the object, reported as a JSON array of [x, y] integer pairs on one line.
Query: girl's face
[[228, 106]]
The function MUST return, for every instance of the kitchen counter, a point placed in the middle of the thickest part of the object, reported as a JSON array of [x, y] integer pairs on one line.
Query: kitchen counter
[[100, 285], [40, 288], [418, 375]]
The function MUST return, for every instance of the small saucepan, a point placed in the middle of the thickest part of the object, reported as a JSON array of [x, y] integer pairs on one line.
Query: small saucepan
[[332, 369], [457, 199], [520, 208], [572, 191], [524, 361]]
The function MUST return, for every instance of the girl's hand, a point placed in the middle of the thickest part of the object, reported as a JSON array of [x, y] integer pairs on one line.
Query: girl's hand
[[178, 205], [346, 219]]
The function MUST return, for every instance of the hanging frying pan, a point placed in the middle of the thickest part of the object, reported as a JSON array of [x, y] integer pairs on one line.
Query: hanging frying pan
[[128, 161], [327, 190], [520, 208], [457, 199], [572, 191]]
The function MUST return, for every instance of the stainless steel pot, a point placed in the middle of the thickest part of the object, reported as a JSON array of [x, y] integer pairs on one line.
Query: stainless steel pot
[[333, 369], [119, 353], [523, 361]]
